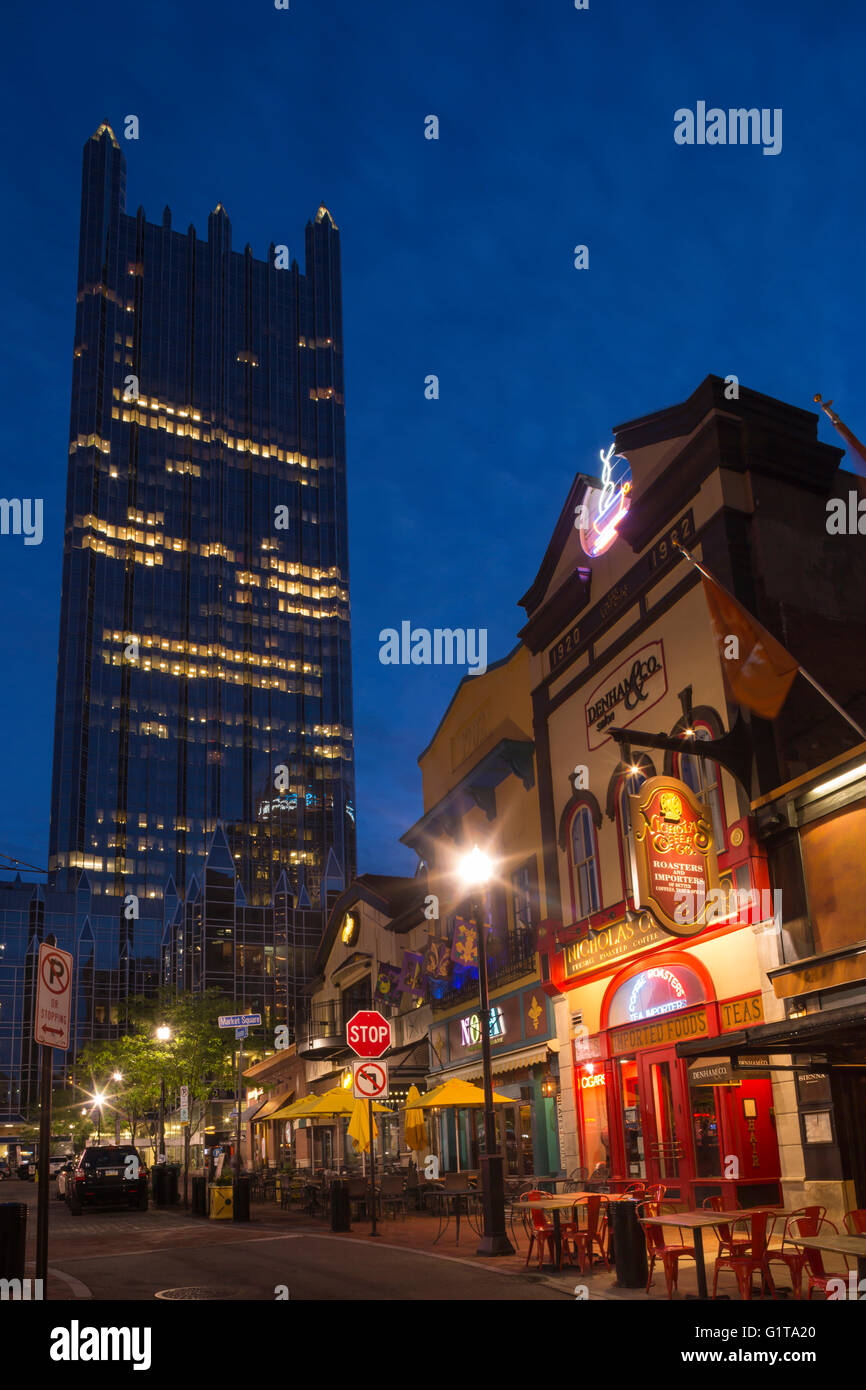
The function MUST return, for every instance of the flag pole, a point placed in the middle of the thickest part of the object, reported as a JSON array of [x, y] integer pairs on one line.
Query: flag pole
[[803, 672], [841, 427]]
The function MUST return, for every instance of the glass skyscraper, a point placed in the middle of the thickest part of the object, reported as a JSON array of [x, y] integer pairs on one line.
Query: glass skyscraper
[[204, 675]]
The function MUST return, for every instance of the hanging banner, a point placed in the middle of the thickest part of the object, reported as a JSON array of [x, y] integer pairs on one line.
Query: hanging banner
[[387, 977], [674, 865]]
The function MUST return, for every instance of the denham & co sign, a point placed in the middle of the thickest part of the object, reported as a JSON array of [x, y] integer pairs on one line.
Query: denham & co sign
[[673, 856], [626, 693]]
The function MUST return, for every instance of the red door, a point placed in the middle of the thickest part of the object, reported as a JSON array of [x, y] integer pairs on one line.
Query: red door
[[666, 1119]]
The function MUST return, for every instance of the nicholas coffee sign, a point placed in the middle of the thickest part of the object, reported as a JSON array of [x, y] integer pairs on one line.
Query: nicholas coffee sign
[[626, 693], [673, 855]]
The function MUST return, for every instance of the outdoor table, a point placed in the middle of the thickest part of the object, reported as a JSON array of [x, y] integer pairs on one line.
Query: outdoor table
[[696, 1221], [837, 1245], [446, 1197], [564, 1201]]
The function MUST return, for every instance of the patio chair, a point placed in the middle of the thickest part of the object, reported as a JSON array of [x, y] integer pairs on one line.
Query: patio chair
[[599, 1175], [729, 1244], [745, 1266], [359, 1193], [855, 1221], [655, 1193], [540, 1229], [813, 1260], [392, 1194], [584, 1238], [658, 1248]]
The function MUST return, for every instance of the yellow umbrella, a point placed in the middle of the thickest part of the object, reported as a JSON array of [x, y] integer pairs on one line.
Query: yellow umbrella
[[359, 1126], [298, 1110], [340, 1101], [456, 1094], [414, 1127]]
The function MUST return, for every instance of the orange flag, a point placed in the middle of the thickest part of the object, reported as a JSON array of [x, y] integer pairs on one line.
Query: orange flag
[[758, 670]]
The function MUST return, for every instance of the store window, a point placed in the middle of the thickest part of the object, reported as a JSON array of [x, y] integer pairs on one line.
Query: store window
[[705, 1131], [635, 1159], [592, 1102], [702, 776], [584, 864]]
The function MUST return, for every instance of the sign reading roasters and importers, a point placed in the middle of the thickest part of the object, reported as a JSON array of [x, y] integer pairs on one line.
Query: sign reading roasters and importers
[[674, 863]]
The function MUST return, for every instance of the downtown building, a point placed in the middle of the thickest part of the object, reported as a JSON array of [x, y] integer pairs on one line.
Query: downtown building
[[203, 809]]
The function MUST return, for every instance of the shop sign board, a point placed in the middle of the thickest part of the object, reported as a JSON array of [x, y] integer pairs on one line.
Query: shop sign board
[[741, 1013], [660, 1032], [626, 693], [614, 943], [673, 856], [712, 1071]]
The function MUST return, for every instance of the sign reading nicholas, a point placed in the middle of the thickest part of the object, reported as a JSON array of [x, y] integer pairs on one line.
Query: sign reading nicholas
[[626, 693], [672, 855], [615, 942]]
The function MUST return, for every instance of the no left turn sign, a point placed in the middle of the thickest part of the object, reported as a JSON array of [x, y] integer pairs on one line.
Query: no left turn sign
[[370, 1080]]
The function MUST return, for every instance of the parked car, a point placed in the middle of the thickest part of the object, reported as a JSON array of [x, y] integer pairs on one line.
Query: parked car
[[57, 1162], [104, 1175]]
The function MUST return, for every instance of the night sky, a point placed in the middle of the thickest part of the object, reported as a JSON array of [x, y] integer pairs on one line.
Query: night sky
[[556, 129]]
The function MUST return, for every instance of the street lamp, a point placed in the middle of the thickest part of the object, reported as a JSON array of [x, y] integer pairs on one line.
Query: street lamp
[[162, 1035], [99, 1101], [476, 869]]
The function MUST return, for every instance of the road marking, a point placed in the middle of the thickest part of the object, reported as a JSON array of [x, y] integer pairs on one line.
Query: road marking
[[79, 1290]]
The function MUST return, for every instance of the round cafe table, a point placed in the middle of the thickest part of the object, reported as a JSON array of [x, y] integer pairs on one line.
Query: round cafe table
[[565, 1201]]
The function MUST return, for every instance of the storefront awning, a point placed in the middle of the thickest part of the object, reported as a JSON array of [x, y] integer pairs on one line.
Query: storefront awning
[[505, 1062], [272, 1105], [837, 1032]]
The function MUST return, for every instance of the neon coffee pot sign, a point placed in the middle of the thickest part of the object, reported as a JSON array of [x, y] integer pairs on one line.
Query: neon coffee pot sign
[[599, 515]]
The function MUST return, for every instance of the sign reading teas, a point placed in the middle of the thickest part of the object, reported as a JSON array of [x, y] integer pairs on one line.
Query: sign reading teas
[[626, 693]]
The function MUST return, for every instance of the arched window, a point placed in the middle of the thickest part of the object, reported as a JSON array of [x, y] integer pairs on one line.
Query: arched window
[[584, 864], [703, 777]]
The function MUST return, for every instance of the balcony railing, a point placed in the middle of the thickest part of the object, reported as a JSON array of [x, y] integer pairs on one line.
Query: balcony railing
[[320, 1033], [518, 959]]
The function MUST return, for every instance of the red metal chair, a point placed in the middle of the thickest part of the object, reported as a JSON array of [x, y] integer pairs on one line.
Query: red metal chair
[[657, 1249], [813, 1260], [655, 1193], [541, 1230], [744, 1267], [729, 1244], [790, 1255], [583, 1238], [855, 1221], [634, 1189]]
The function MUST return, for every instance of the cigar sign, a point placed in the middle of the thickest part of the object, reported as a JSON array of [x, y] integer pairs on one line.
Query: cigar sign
[[626, 693], [673, 855]]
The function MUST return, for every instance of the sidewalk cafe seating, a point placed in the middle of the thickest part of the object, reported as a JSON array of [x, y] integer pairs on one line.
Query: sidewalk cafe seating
[[392, 1194], [813, 1260], [745, 1266], [540, 1229], [584, 1238], [576, 1180], [659, 1248], [790, 1255], [655, 1193], [855, 1222], [729, 1244], [599, 1176]]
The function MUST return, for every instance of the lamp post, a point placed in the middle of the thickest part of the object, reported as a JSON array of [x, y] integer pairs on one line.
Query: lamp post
[[163, 1034], [99, 1101], [476, 870], [116, 1076]]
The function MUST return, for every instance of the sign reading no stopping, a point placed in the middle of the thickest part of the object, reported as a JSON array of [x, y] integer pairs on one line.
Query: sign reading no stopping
[[53, 998]]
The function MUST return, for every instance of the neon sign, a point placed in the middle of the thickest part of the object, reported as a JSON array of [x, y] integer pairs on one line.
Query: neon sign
[[603, 508], [667, 977], [470, 1028]]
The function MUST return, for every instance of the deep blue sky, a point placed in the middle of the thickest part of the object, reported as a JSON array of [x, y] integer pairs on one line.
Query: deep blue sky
[[556, 128]]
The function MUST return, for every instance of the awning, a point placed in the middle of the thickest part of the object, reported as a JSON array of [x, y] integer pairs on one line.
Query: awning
[[273, 1104], [505, 1062], [837, 1032]]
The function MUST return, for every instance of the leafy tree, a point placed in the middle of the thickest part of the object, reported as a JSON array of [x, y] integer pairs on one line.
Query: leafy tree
[[136, 1057]]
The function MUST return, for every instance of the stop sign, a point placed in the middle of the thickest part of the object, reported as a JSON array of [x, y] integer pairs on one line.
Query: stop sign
[[368, 1033]]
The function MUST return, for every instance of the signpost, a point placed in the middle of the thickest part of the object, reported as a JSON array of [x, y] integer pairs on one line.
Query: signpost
[[184, 1107], [368, 1034], [50, 1029], [242, 1023]]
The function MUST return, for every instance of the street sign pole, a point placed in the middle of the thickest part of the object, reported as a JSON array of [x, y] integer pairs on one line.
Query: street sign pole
[[373, 1231], [42, 1207], [240, 1069]]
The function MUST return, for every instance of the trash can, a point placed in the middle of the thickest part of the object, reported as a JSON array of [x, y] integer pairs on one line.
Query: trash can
[[340, 1211], [221, 1201], [629, 1246], [13, 1237], [164, 1184], [241, 1194], [199, 1195]]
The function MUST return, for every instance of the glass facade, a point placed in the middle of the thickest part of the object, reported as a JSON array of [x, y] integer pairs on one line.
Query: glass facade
[[204, 668]]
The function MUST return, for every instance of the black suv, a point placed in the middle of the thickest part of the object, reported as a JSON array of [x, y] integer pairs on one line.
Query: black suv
[[106, 1175]]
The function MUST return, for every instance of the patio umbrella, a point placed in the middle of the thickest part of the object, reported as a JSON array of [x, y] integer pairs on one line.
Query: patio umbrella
[[457, 1094], [359, 1126], [415, 1128], [340, 1101], [298, 1110]]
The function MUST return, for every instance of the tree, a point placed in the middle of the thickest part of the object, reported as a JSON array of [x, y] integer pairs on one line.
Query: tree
[[136, 1057]]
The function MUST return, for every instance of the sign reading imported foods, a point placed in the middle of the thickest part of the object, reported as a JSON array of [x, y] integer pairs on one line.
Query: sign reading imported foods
[[673, 855], [615, 942], [626, 693], [662, 1032]]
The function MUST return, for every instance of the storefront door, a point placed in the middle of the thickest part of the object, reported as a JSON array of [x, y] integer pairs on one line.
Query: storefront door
[[654, 1118]]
